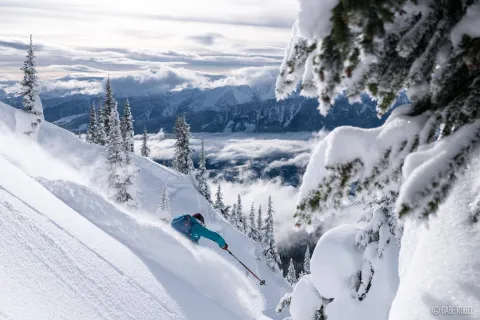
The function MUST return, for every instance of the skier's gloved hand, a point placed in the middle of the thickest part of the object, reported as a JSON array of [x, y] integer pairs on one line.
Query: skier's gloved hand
[[225, 247]]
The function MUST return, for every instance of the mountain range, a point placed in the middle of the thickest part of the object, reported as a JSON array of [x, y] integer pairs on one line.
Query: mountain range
[[221, 109]]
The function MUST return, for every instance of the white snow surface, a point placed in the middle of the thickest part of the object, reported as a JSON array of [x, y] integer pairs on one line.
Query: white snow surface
[[469, 25], [67, 252], [439, 264], [305, 299], [335, 265], [335, 259], [314, 18], [345, 144], [30, 123], [68, 119], [421, 167]]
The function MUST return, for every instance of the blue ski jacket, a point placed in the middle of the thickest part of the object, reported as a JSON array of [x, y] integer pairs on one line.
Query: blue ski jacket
[[194, 229]]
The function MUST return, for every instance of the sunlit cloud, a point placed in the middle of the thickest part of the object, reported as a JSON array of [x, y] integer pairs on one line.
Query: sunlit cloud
[[284, 201], [76, 37]]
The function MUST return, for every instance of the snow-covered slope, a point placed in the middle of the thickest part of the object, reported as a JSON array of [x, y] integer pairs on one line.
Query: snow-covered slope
[[67, 252]]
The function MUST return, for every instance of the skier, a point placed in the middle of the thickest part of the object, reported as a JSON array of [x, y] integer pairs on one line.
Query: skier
[[194, 229]]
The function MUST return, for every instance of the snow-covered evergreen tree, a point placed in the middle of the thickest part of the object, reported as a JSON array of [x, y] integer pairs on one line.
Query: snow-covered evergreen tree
[[291, 274], [121, 175], [182, 161], [233, 216], [145, 150], [165, 201], [219, 205], [101, 133], [226, 212], [383, 48], [284, 302], [29, 119], [306, 261], [240, 218], [202, 176], [260, 229], [109, 103], [127, 133], [30, 81], [115, 154], [269, 246], [128, 147], [92, 131], [252, 226]]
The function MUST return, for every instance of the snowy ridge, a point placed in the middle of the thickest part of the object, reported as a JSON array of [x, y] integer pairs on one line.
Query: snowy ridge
[[109, 263]]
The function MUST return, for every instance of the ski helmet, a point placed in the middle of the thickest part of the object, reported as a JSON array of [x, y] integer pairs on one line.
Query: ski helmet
[[198, 216]]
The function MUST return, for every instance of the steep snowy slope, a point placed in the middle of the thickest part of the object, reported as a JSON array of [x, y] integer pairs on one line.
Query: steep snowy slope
[[113, 264]]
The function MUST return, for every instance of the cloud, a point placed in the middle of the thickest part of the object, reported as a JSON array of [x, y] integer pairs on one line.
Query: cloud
[[151, 82], [18, 45], [74, 68], [221, 147], [60, 88], [146, 82], [252, 21], [56, 62], [284, 200], [251, 76], [206, 39]]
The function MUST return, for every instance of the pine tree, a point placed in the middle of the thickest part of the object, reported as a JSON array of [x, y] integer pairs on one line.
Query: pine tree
[[284, 302], [109, 103], [182, 162], [115, 154], [202, 176], [252, 228], [165, 201], [383, 47], [226, 212], [233, 216], [121, 174], [240, 219], [92, 131], [145, 151], [128, 147], [127, 133], [219, 205], [260, 224], [306, 261], [101, 134], [269, 246], [291, 274], [30, 81]]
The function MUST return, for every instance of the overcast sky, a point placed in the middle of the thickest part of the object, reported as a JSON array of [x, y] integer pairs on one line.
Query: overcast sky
[[92, 38]]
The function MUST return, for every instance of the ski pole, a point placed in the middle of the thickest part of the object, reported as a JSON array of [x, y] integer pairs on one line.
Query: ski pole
[[262, 282]]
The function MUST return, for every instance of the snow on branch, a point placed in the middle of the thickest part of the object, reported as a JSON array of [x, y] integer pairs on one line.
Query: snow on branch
[[429, 174], [372, 158]]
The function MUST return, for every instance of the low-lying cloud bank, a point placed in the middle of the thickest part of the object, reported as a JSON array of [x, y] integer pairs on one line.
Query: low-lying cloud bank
[[240, 152], [231, 147], [150, 82], [66, 71], [284, 200]]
